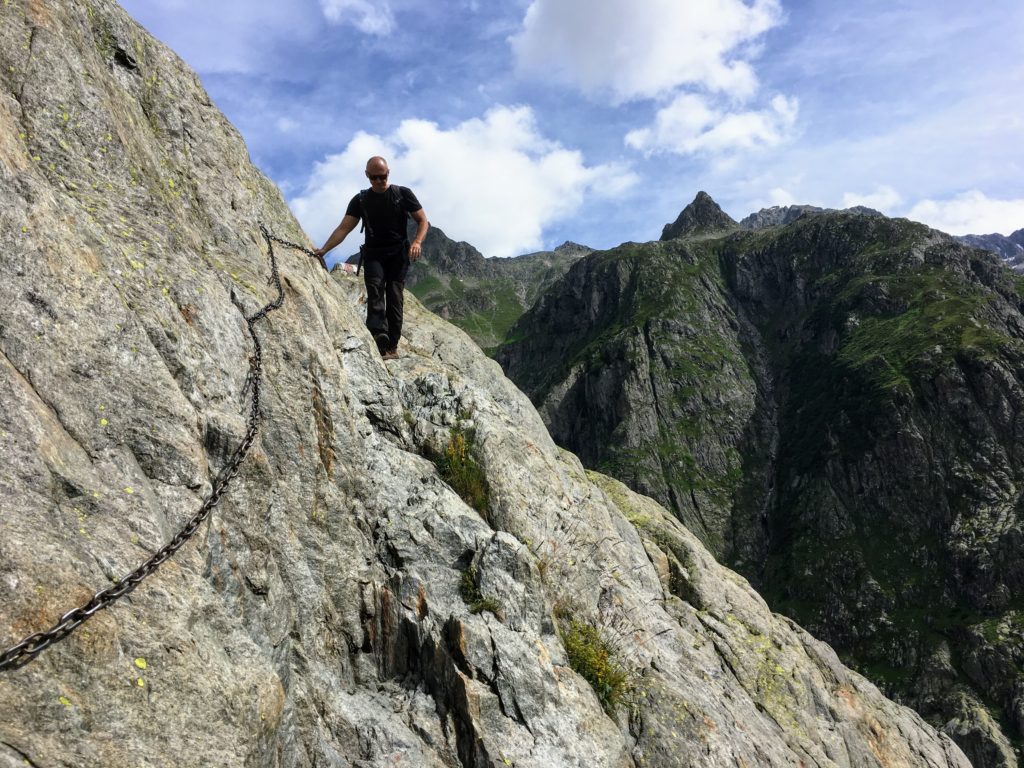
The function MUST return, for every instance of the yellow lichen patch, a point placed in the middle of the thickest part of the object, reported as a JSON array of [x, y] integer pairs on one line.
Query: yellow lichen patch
[[140, 682], [103, 422], [65, 701], [141, 663], [129, 490]]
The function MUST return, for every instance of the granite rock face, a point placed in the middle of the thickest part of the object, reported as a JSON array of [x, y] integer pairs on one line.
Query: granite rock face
[[320, 617], [834, 406]]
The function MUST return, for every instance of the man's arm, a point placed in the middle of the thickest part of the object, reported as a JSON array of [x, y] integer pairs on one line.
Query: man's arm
[[340, 233], [422, 225]]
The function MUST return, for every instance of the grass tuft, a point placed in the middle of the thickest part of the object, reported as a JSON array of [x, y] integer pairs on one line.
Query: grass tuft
[[460, 469], [472, 596], [593, 659]]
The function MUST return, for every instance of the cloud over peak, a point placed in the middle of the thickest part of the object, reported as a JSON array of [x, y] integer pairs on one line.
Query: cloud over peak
[[970, 213], [690, 125]]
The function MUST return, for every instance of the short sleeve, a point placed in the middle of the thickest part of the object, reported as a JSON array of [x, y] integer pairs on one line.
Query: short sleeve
[[354, 208], [409, 202]]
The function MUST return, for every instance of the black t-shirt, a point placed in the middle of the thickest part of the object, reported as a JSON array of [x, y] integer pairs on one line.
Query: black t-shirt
[[387, 212]]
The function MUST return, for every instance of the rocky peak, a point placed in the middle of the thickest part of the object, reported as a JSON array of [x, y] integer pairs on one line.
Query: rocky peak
[[569, 248], [781, 215], [702, 216], [1010, 248]]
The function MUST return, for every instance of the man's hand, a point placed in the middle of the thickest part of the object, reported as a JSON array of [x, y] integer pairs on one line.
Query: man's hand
[[414, 251]]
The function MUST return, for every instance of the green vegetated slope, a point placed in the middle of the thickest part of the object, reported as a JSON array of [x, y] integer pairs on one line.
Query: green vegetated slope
[[483, 296], [834, 407]]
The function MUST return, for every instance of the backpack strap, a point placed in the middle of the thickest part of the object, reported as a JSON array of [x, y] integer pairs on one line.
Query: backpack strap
[[362, 208]]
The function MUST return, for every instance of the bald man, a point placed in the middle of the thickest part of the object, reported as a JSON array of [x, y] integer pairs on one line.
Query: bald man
[[387, 253]]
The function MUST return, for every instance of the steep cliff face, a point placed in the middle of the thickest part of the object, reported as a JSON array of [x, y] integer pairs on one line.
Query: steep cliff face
[[482, 296], [344, 606], [835, 408]]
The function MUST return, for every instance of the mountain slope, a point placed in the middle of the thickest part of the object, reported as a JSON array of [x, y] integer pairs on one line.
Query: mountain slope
[[343, 605], [834, 406], [482, 296]]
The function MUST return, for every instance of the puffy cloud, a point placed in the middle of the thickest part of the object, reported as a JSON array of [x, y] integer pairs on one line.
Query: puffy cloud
[[970, 213], [368, 17], [492, 181], [689, 125], [780, 196], [644, 48], [883, 199]]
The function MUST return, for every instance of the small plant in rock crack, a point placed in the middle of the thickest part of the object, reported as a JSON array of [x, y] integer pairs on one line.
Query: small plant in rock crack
[[460, 469], [594, 659], [472, 596]]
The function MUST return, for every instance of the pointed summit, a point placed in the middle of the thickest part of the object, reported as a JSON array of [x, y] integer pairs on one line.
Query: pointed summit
[[699, 217]]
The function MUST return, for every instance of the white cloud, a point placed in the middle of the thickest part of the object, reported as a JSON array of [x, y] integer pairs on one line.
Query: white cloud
[[371, 18], [493, 181], [644, 48], [884, 199], [689, 125], [780, 196], [970, 213]]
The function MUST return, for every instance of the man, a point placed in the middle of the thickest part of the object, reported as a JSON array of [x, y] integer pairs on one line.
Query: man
[[387, 253]]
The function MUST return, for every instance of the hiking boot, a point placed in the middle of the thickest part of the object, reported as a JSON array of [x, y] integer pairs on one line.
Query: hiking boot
[[391, 354], [383, 342]]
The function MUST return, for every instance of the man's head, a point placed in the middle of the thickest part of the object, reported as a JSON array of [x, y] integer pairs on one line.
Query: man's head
[[377, 173]]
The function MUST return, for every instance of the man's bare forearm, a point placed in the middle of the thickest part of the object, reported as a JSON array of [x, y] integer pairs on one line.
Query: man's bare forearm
[[340, 233], [422, 225], [421, 230]]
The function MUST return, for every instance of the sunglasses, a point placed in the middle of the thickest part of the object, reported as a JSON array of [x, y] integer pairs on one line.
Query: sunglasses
[[381, 177]]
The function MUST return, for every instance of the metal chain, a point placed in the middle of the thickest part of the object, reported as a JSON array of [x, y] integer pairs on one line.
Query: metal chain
[[296, 246], [25, 651]]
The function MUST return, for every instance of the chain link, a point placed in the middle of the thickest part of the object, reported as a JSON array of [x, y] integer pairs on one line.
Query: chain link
[[25, 651]]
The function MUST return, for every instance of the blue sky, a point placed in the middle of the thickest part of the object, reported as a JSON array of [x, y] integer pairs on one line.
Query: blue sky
[[522, 124]]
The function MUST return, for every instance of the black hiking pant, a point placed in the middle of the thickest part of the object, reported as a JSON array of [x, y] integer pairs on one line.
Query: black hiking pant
[[384, 271]]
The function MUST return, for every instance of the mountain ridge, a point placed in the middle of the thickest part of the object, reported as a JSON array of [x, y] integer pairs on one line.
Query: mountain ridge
[[751, 385]]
